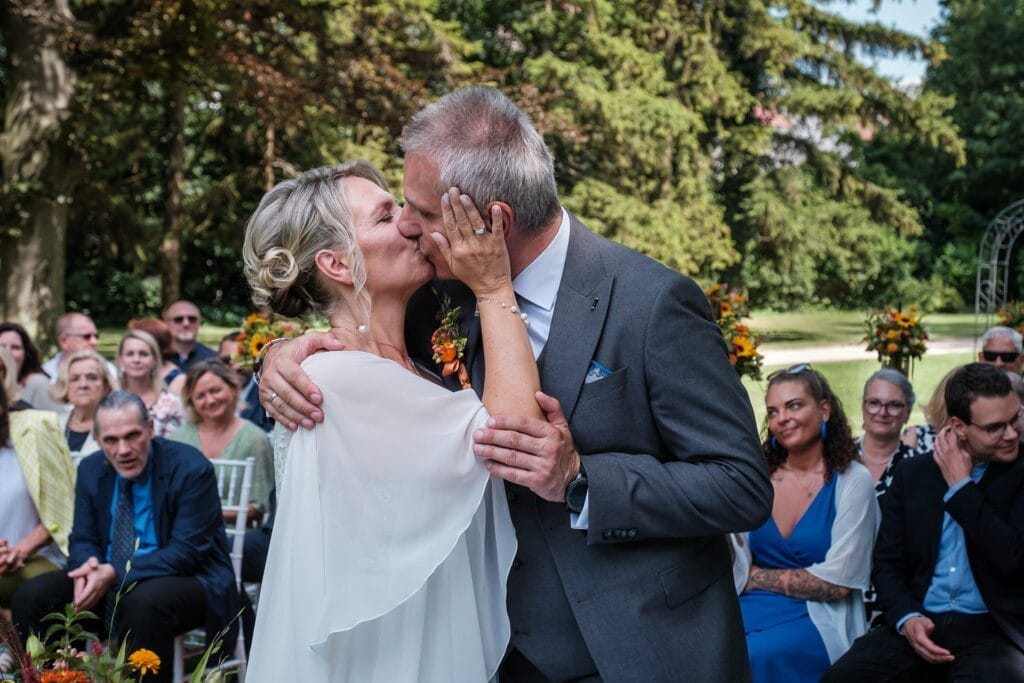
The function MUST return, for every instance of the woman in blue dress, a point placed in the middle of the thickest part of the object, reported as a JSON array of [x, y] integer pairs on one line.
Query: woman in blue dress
[[803, 573]]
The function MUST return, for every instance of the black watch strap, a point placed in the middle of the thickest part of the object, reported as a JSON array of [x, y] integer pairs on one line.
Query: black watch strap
[[576, 492]]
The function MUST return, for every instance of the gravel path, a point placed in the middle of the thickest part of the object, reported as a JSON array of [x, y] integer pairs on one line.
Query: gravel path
[[838, 352]]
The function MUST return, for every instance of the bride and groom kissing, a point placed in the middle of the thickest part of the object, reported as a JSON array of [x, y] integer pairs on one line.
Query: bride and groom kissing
[[426, 534]]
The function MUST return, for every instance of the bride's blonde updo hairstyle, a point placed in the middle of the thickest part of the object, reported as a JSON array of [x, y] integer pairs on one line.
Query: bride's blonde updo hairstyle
[[294, 221]]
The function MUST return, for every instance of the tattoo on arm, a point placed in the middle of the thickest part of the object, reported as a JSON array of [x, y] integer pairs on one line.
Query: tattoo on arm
[[796, 583]]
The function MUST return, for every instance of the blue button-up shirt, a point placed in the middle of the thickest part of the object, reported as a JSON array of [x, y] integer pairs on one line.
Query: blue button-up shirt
[[953, 588], [142, 499]]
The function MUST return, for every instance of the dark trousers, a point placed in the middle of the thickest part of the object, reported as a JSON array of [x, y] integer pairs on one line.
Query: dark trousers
[[981, 651], [254, 559], [152, 613], [516, 668]]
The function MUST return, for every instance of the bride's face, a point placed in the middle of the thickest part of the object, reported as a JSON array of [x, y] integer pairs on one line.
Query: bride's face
[[393, 262]]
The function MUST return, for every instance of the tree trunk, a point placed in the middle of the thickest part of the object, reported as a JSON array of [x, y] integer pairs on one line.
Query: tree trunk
[[36, 184], [170, 246]]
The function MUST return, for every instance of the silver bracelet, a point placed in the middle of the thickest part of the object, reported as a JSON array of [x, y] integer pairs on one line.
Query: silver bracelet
[[257, 365], [512, 308]]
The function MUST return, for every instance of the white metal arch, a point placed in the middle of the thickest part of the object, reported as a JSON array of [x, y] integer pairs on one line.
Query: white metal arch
[[994, 264]]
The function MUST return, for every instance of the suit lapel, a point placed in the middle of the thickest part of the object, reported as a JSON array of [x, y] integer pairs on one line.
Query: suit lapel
[[161, 523], [105, 498], [578, 319]]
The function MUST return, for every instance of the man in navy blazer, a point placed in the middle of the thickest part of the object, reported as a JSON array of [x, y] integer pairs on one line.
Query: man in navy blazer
[[622, 500], [180, 567], [949, 560]]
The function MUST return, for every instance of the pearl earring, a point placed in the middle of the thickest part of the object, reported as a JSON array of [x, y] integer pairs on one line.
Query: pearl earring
[[362, 328]]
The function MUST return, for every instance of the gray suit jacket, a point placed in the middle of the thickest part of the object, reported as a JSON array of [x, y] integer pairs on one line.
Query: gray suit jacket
[[673, 460]]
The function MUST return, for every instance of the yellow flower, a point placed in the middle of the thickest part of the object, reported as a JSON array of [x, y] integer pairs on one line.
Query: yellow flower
[[726, 308], [892, 334], [256, 343], [144, 661], [743, 347]]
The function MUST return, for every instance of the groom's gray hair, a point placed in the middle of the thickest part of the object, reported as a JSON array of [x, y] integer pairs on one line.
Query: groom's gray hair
[[486, 146]]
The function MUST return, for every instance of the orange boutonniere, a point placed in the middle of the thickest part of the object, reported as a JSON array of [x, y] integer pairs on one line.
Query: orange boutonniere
[[448, 344]]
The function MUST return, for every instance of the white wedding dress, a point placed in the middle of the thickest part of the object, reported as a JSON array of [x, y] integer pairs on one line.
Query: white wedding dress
[[392, 546]]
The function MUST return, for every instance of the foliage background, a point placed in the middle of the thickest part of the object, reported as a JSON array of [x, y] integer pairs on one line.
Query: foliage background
[[734, 140]]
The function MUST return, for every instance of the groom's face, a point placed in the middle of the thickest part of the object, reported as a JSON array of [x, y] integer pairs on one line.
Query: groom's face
[[421, 214]]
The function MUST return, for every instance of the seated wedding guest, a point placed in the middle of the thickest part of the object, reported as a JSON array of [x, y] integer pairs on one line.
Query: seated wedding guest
[[888, 400], [83, 380], [949, 562], [250, 408], [811, 561], [921, 438], [1002, 346], [211, 396], [165, 495], [37, 493], [75, 332], [9, 380], [183, 318], [34, 384], [172, 376], [138, 363]]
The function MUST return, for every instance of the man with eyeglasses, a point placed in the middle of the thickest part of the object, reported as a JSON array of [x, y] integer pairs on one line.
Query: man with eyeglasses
[[75, 332], [949, 559], [1002, 346], [184, 320]]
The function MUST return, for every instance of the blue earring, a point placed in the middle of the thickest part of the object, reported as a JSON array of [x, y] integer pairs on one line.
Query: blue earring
[[824, 429], [775, 444]]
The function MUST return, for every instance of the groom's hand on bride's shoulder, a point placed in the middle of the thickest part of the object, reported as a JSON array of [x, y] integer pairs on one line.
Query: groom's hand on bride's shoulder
[[537, 454], [286, 391]]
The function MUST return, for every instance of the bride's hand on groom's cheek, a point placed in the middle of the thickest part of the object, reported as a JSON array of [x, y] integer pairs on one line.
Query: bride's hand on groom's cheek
[[537, 454]]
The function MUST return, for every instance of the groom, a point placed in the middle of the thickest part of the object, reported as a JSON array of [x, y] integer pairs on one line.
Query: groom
[[622, 499]]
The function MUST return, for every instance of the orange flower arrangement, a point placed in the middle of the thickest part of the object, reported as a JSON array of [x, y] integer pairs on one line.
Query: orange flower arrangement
[[897, 337], [259, 329], [1012, 315], [728, 308], [448, 343]]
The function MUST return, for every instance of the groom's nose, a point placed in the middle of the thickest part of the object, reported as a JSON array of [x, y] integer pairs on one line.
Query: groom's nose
[[409, 224]]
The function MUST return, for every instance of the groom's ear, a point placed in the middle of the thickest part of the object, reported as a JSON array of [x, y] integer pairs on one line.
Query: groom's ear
[[332, 263], [508, 216]]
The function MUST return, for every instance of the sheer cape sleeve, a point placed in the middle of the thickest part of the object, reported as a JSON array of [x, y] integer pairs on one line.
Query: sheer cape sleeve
[[391, 546]]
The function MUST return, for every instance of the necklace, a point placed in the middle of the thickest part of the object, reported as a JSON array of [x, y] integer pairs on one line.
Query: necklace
[[360, 333], [810, 490]]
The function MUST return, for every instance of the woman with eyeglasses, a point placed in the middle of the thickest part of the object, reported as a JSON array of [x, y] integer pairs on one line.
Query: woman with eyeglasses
[[888, 400], [811, 561]]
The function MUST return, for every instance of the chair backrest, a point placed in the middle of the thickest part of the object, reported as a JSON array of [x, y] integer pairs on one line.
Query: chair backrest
[[234, 480]]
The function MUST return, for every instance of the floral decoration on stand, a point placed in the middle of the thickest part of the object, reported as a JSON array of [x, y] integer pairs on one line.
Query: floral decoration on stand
[[729, 308], [257, 331], [897, 337], [448, 343], [1012, 315]]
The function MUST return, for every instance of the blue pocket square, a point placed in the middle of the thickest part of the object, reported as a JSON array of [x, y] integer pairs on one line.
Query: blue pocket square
[[595, 372]]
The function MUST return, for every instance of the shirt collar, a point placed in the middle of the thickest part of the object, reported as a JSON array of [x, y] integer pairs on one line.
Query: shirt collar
[[539, 281]]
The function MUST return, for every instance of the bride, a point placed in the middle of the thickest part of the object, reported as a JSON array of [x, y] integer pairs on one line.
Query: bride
[[391, 546]]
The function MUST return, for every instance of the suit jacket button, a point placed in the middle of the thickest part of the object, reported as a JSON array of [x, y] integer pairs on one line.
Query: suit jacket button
[[517, 563]]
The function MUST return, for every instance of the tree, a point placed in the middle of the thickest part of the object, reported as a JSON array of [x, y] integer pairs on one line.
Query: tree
[[36, 184]]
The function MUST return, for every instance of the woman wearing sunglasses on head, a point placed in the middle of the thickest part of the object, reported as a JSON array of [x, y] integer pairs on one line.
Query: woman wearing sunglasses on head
[[811, 561]]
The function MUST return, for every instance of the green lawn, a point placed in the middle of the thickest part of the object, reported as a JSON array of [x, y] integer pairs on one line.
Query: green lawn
[[847, 380], [110, 337], [820, 328]]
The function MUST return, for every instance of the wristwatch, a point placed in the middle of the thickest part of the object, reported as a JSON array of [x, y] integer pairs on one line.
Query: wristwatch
[[576, 492]]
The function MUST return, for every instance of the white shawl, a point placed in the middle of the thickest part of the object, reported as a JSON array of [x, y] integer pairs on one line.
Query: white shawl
[[847, 562], [391, 547]]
